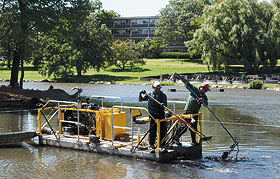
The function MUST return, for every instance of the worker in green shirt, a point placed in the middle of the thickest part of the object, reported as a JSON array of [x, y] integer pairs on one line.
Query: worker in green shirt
[[192, 107]]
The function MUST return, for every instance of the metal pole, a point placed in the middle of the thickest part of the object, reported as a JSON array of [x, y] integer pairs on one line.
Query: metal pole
[[58, 121], [39, 121], [131, 120], [112, 126], [78, 121]]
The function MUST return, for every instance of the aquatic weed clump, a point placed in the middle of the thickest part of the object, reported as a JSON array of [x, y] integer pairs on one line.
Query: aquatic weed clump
[[256, 84]]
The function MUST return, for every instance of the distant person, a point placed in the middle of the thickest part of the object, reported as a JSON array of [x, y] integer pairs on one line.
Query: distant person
[[243, 77], [192, 107], [156, 110]]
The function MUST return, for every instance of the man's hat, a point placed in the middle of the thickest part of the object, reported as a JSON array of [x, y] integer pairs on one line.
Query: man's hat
[[157, 84], [205, 85]]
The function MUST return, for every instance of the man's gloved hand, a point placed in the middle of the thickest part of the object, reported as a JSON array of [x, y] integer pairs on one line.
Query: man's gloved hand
[[161, 105], [143, 92], [200, 101], [193, 120]]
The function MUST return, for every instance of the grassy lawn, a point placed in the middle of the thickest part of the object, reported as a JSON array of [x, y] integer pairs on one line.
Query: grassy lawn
[[153, 67]]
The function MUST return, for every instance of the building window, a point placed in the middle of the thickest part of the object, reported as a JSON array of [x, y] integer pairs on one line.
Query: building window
[[134, 32], [153, 21]]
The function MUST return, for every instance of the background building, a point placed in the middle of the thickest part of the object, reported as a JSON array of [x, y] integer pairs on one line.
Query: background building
[[137, 28], [140, 28]]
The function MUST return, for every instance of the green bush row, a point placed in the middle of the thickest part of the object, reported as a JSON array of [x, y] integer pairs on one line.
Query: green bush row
[[174, 55]]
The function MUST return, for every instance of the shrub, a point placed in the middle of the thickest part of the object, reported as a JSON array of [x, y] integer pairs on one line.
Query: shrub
[[256, 84], [167, 83], [174, 55]]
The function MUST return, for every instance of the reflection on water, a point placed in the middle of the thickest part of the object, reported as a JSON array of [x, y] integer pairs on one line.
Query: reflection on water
[[258, 142], [14, 121]]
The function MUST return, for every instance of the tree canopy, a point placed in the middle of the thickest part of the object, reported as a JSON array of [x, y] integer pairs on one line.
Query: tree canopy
[[60, 35], [23, 19], [126, 54], [178, 20], [81, 44], [239, 31]]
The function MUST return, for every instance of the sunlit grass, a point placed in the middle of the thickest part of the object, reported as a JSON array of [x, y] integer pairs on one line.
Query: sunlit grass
[[153, 67]]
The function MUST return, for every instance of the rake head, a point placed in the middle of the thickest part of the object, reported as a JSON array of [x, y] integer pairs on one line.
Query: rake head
[[226, 154], [206, 138]]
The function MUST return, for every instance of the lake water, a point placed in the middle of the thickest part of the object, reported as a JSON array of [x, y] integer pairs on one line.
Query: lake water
[[251, 116]]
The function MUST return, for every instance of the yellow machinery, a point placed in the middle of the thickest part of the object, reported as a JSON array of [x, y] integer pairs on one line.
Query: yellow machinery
[[102, 117], [104, 124]]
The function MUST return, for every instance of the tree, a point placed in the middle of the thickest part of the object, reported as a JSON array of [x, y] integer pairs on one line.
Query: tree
[[84, 43], [150, 47], [28, 18], [126, 54], [6, 29], [178, 20], [239, 31]]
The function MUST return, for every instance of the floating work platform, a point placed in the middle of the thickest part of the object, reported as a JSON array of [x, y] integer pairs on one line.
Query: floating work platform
[[185, 151], [114, 131], [16, 137]]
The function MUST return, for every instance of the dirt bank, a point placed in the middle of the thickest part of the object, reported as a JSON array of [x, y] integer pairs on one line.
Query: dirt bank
[[29, 98]]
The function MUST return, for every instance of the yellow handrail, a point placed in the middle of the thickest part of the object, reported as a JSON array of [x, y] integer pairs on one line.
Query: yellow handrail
[[185, 116]]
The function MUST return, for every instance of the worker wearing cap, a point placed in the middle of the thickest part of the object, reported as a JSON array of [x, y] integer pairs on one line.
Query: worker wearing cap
[[156, 110], [192, 107]]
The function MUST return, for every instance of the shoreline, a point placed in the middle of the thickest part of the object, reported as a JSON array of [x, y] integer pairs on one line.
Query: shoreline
[[29, 98]]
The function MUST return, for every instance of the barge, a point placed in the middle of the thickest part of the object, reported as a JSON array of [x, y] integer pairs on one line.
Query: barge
[[117, 130]]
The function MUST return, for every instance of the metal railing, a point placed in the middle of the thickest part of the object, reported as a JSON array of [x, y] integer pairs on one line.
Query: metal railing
[[131, 128], [102, 98], [61, 106], [158, 121], [176, 102], [59, 119]]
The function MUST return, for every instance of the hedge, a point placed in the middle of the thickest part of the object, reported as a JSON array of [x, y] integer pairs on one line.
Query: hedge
[[174, 55]]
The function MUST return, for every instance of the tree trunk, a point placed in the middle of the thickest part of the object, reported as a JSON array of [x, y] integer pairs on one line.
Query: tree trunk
[[9, 58], [79, 71], [9, 63], [19, 52], [15, 68], [22, 72]]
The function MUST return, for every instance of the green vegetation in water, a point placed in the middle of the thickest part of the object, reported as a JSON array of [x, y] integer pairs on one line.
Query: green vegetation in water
[[256, 84]]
